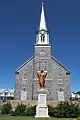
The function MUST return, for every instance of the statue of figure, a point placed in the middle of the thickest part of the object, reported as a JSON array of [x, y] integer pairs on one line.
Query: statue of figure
[[42, 76]]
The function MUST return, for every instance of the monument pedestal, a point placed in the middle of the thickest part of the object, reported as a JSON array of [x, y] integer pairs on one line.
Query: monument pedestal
[[42, 109]]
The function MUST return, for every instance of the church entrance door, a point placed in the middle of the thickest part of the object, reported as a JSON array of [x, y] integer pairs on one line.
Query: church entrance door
[[61, 95], [23, 95]]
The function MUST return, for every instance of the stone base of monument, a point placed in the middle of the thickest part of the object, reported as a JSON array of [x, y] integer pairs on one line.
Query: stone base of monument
[[42, 109]]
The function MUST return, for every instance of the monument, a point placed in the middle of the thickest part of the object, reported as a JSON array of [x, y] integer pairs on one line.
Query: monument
[[42, 109]]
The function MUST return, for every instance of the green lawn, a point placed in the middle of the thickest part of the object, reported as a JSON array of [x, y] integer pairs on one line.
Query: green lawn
[[31, 118]]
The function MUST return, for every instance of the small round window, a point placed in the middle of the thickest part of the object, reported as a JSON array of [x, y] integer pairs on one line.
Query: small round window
[[60, 90], [42, 52]]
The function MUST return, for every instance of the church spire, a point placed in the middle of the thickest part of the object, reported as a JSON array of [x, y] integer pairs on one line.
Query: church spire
[[42, 19], [42, 36]]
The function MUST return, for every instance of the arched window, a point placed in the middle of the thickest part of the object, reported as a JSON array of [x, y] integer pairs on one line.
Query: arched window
[[24, 76], [24, 94], [60, 81], [42, 37], [39, 65], [44, 65], [61, 94], [24, 79]]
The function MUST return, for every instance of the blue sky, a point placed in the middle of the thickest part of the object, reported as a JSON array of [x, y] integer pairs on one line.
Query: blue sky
[[19, 21]]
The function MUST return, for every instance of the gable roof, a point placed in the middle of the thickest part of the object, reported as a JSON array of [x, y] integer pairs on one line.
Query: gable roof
[[78, 92], [23, 65], [73, 92], [9, 90], [60, 64]]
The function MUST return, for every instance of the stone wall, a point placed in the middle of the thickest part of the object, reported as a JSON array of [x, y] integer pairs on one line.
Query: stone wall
[[55, 72], [27, 70], [59, 72]]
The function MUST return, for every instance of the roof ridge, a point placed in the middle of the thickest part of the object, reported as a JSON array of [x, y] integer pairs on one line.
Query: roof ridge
[[24, 63], [61, 64]]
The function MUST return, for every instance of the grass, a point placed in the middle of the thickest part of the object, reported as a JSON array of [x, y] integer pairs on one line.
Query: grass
[[31, 118]]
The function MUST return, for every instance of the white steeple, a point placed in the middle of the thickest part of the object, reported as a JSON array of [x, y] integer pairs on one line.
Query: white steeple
[[42, 36], [42, 20]]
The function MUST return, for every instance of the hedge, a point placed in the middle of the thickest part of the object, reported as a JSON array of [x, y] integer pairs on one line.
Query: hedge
[[62, 110]]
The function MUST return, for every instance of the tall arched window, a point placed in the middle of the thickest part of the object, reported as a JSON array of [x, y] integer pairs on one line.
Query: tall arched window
[[61, 94], [42, 37], [44, 65], [39, 65]]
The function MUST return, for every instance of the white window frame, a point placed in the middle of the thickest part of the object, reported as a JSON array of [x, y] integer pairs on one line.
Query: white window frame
[[60, 81], [59, 93], [22, 94], [24, 80]]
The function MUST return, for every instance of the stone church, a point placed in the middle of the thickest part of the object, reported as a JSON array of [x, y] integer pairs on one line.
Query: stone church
[[58, 77]]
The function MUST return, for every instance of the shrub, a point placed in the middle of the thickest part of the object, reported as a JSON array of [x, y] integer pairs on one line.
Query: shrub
[[31, 111], [6, 108], [62, 110], [0, 110], [50, 110], [19, 110], [66, 109]]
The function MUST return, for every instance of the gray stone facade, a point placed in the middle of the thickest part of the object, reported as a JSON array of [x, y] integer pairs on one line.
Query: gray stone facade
[[55, 72]]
